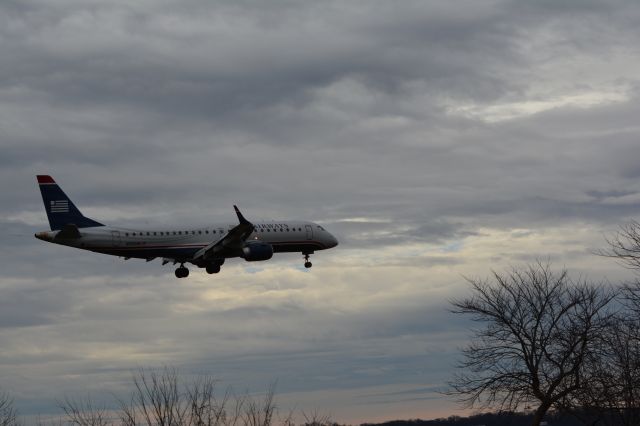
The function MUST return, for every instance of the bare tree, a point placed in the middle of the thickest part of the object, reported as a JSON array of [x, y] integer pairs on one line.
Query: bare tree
[[614, 368], [205, 408], [39, 421], [315, 418], [85, 412], [624, 245], [537, 328], [612, 376], [260, 414], [631, 299], [156, 399], [8, 414]]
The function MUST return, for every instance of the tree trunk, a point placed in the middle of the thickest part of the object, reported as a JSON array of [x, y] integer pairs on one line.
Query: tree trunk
[[539, 414]]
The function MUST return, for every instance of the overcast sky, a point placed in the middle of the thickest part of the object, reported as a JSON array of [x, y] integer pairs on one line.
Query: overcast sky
[[435, 139]]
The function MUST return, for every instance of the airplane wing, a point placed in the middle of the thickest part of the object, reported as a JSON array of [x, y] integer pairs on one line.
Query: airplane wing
[[231, 242]]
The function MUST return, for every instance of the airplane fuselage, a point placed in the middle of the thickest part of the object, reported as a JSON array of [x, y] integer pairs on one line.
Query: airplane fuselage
[[206, 247], [182, 243]]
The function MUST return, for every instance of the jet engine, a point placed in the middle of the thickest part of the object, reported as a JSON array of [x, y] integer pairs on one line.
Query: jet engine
[[257, 251]]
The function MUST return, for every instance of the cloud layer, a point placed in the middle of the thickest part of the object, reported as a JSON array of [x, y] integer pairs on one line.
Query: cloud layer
[[436, 140]]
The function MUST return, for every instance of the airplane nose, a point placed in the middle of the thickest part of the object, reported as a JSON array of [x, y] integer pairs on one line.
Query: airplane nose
[[333, 241]]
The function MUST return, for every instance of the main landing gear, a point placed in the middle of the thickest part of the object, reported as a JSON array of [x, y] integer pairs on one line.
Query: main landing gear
[[213, 266], [213, 269], [307, 264], [182, 272]]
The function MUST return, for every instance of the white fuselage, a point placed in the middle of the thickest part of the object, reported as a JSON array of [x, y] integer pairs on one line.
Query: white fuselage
[[206, 247], [181, 243]]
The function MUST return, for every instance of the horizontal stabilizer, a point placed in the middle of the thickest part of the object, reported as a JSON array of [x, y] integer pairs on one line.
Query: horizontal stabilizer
[[68, 232]]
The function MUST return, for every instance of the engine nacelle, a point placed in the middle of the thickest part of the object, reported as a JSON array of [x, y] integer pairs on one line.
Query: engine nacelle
[[257, 251]]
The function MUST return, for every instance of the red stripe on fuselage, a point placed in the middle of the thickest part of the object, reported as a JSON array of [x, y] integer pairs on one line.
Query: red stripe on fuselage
[[143, 247]]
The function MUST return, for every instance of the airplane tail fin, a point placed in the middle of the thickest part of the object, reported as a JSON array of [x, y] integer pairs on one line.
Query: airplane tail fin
[[60, 209]]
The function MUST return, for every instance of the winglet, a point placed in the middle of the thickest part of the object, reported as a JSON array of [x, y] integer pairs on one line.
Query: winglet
[[240, 217]]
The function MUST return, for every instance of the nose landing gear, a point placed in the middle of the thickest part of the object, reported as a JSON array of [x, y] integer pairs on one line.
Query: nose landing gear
[[182, 272], [307, 263]]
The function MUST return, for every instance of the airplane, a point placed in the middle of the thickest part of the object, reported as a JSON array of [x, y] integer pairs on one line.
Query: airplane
[[205, 247]]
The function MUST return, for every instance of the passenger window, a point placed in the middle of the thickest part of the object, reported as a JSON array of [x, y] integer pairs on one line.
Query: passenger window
[[199, 232], [148, 234], [126, 234], [174, 233], [206, 231]]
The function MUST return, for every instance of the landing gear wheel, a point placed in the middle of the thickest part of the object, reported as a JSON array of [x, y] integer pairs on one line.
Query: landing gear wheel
[[182, 272], [213, 269], [307, 264]]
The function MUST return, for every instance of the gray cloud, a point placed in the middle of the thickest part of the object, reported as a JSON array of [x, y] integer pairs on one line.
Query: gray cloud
[[413, 131]]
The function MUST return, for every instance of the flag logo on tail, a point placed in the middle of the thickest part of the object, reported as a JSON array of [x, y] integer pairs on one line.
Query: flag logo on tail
[[60, 206]]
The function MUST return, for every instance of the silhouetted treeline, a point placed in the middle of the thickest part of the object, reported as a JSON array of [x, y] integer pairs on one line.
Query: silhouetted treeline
[[488, 419]]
